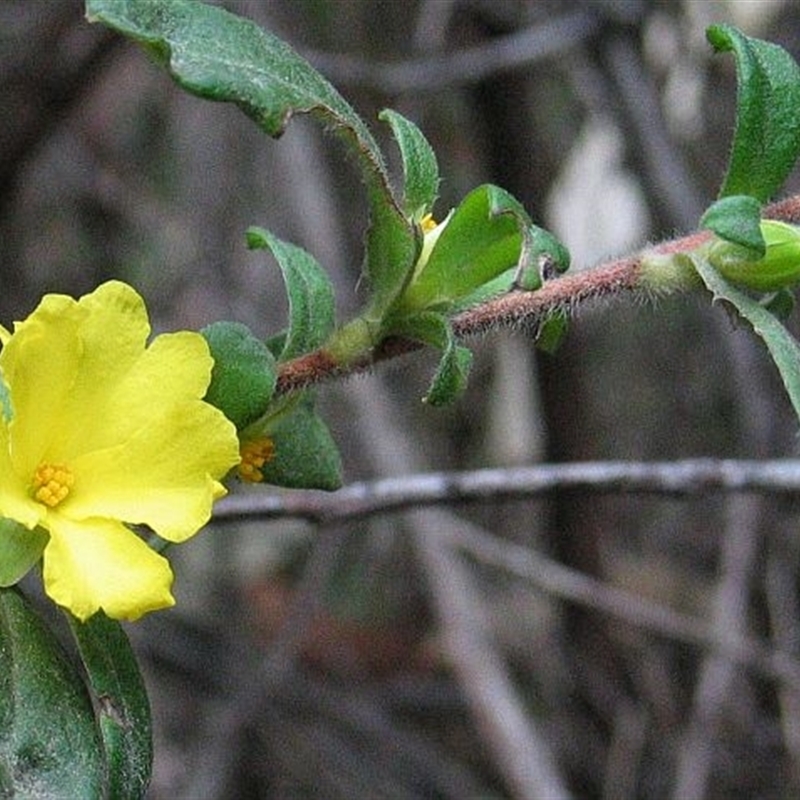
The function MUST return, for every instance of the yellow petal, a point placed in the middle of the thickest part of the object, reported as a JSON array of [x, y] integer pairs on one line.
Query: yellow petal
[[62, 364], [166, 476], [15, 502], [174, 369], [100, 564]]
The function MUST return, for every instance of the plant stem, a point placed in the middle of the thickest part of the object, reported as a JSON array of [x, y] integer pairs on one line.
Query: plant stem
[[526, 310]]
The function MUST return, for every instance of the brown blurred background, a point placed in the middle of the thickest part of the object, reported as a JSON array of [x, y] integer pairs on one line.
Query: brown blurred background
[[432, 654]]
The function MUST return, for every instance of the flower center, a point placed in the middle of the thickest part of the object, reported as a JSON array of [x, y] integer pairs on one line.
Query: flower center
[[255, 453], [52, 483]]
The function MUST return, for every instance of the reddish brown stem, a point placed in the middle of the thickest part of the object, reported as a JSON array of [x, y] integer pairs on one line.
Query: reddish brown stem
[[517, 308]]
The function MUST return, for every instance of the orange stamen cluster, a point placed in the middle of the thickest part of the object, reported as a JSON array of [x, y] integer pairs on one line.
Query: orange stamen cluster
[[52, 483], [255, 453]]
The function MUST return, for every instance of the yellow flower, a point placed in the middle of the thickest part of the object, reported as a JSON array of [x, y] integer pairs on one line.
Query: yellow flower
[[99, 431]]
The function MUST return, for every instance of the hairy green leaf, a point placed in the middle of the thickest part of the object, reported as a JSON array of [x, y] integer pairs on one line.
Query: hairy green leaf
[[310, 291], [219, 56], [244, 374], [452, 373], [766, 140], [420, 169], [121, 703], [392, 247], [20, 549], [737, 219], [306, 456], [49, 743], [488, 234], [782, 347]]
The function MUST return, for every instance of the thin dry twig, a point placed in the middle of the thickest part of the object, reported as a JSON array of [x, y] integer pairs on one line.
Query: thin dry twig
[[689, 477], [517, 746], [469, 65]]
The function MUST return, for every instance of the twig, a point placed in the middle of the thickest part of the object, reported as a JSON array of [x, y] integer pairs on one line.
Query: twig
[[517, 747], [679, 478], [575, 587], [470, 65]]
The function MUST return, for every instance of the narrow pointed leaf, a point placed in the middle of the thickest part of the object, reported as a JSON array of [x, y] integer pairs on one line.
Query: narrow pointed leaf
[[782, 347], [220, 56], [121, 701], [420, 169], [452, 372], [49, 744], [310, 292], [392, 247], [766, 140]]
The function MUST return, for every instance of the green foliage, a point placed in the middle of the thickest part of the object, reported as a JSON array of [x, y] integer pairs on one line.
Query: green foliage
[[20, 549], [310, 292], [737, 219], [219, 56], [489, 233], [49, 746], [306, 456], [782, 347], [120, 700], [244, 374], [766, 141], [451, 374], [420, 169]]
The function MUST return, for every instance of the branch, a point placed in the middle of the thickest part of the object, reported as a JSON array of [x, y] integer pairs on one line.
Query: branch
[[519, 309], [470, 65], [678, 478], [687, 478]]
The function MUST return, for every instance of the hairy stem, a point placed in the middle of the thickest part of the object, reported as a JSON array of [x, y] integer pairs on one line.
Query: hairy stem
[[614, 279]]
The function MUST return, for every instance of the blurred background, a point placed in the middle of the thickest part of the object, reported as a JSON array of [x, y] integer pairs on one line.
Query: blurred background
[[542, 648]]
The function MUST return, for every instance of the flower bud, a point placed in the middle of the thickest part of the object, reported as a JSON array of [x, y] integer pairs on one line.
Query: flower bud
[[777, 269]]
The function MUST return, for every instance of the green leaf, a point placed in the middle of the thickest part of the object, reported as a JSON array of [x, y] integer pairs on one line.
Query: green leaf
[[420, 169], [310, 291], [244, 374], [543, 258], [452, 373], [392, 247], [49, 744], [121, 703], [766, 139], [20, 549], [488, 234], [782, 347], [737, 219], [219, 56], [306, 456], [552, 332]]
